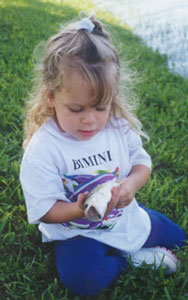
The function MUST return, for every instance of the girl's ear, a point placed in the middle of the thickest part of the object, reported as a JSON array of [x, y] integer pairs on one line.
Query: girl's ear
[[49, 99]]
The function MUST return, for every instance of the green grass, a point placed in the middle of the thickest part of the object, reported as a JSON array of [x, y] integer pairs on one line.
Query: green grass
[[27, 269]]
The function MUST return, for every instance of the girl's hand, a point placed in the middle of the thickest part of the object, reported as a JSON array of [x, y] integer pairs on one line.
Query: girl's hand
[[122, 195], [138, 176], [81, 199], [127, 192], [114, 200]]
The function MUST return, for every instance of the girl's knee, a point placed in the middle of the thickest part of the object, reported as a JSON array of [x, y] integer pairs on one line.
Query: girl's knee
[[90, 278], [82, 281], [87, 271]]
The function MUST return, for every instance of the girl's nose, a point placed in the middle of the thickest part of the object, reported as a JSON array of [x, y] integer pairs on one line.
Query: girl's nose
[[89, 117]]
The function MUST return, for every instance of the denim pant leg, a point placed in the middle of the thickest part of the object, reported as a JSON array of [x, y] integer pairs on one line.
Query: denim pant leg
[[164, 232], [86, 266]]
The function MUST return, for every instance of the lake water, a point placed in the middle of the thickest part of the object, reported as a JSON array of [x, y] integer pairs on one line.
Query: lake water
[[162, 24]]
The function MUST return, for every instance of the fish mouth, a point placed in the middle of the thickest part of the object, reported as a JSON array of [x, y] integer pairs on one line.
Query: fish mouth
[[92, 214]]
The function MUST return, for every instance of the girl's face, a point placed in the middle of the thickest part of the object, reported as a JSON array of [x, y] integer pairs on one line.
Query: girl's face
[[76, 113]]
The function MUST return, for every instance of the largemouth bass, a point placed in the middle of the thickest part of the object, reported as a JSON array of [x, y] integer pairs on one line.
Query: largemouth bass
[[97, 201]]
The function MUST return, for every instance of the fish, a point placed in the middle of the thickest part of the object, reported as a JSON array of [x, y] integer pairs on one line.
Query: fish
[[97, 201]]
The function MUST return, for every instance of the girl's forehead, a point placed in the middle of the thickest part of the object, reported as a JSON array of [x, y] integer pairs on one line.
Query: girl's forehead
[[76, 89], [77, 85], [74, 80]]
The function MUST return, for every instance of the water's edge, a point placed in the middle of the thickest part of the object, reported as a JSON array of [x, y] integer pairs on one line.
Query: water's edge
[[162, 25]]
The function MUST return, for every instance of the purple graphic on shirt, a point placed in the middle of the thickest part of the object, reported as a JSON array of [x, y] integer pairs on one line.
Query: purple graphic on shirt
[[76, 184]]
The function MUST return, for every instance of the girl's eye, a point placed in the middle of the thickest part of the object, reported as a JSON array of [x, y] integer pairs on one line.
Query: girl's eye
[[75, 110]]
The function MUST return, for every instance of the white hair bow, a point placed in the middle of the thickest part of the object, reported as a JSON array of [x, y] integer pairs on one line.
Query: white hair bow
[[85, 24]]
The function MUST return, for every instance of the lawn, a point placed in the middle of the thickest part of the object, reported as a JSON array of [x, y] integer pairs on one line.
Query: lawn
[[27, 266]]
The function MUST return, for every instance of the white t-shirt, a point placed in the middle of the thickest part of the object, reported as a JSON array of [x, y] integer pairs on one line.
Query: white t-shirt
[[56, 166]]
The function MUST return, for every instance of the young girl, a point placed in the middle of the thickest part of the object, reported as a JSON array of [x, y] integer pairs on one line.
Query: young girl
[[78, 134]]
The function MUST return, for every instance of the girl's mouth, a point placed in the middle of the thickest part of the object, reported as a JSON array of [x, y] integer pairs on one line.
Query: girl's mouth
[[87, 133]]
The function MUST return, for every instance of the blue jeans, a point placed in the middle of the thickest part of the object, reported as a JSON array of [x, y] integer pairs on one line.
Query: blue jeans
[[86, 266]]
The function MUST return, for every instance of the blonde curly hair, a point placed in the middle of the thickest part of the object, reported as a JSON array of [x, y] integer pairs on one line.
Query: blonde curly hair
[[93, 55]]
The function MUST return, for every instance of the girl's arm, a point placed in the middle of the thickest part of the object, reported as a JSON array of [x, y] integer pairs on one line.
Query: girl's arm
[[123, 195], [64, 211]]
